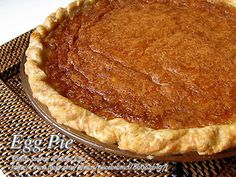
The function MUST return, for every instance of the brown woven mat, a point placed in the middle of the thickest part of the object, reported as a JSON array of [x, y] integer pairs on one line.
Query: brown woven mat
[[19, 118]]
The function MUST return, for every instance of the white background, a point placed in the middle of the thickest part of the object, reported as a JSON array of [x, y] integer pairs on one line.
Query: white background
[[20, 16], [1, 174]]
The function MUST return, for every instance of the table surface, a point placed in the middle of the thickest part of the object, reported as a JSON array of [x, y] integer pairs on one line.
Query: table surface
[[19, 16]]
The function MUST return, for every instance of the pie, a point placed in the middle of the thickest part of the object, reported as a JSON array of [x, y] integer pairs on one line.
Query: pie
[[155, 77]]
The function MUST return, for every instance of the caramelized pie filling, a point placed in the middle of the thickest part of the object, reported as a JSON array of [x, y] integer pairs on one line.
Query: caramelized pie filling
[[161, 64]]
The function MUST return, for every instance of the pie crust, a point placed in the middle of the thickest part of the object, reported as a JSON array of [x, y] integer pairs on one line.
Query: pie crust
[[129, 136]]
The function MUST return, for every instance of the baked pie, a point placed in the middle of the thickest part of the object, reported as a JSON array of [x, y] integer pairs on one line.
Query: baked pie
[[156, 77]]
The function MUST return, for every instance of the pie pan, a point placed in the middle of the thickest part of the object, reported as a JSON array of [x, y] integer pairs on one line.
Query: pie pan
[[43, 111]]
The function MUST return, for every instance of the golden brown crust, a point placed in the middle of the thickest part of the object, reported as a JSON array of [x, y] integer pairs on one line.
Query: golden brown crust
[[129, 136]]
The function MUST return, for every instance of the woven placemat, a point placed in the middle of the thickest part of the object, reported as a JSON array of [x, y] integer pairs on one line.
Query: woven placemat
[[19, 118]]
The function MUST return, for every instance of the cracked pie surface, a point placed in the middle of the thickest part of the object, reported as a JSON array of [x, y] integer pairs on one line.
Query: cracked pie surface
[[156, 77]]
